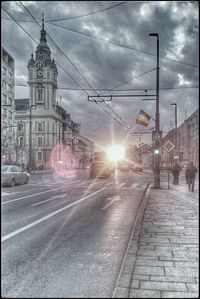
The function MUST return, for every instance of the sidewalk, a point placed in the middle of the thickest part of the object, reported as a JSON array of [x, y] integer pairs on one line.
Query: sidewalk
[[162, 257]]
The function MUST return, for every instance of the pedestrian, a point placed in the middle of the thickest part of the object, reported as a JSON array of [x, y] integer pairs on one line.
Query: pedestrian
[[190, 172], [176, 170]]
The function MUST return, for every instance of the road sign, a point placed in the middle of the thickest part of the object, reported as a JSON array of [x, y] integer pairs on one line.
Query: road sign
[[168, 146], [156, 135]]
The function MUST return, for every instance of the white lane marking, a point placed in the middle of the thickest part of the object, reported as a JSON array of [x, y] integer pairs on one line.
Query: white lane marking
[[121, 185], [111, 202], [53, 197], [133, 185], [31, 195], [6, 237]]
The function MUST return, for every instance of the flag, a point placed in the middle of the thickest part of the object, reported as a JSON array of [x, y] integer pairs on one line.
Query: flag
[[143, 118]]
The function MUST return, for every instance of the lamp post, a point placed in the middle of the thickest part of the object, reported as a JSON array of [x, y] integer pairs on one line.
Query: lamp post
[[157, 121], [174, 104], [30, 138]]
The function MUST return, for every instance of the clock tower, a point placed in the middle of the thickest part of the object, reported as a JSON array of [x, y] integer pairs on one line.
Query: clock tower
[[42, 76]]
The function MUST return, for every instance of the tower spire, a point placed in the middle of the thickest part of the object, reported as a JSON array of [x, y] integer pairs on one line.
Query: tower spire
[[42, 20]]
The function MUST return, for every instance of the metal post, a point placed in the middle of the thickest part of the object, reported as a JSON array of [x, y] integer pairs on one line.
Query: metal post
[[157, 123], [176, 141], [30, 140]]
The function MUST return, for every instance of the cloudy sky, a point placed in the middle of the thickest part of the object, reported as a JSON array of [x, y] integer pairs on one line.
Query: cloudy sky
[[107, 50]]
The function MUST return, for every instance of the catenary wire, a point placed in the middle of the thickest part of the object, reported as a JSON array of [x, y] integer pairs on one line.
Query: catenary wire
[[59, 65], [64, 54], [117, 44]]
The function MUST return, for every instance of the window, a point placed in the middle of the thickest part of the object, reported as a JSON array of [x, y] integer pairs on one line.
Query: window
[[10, 88], [31, 75], [4, 70], [39, 127], [4, 84], [4, 99], [10, 114], [4, 112], [39, 156], [10, 75], [20, 127], [21, 141], [39, 140], [40, 94], [48, 74], [9, 101]]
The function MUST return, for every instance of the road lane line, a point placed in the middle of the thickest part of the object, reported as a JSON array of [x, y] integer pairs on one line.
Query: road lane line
[[121, 185], [6, 237], [133, 185], [110, 203], [56, 196], [31, 195]]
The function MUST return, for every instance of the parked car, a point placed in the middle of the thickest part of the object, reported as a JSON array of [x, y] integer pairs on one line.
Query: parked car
[[12, 175], [137, 167], [99, 170]]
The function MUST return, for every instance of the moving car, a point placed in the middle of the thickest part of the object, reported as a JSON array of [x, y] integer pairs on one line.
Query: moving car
[[137, 167], [12, 175], [99, 170]]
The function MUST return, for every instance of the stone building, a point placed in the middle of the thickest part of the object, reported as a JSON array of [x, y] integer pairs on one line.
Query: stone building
[[187, 142], [7, 107], [47, 136]]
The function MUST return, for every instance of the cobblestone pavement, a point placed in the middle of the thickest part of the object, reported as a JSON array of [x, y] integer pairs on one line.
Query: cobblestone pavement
[[163, 253]]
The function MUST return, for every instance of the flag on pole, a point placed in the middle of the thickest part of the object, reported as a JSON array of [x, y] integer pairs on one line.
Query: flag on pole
[[143, 118]]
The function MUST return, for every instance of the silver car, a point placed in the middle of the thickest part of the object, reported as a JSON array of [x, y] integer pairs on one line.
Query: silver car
[[12, 175]]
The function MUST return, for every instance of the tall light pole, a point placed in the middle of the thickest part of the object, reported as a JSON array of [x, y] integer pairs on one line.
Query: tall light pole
[[30, 138], [176, 145], [157, 122]]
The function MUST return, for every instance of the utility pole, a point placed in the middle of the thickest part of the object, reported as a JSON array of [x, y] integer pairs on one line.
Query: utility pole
[[30, 139], [157, 123], [176, 133]]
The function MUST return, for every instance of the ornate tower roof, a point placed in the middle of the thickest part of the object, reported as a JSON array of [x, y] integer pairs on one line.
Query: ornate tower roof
[[43, 52]]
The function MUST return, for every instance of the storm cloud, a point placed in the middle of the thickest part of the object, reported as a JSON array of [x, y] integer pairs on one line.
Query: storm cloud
[[86, 43]]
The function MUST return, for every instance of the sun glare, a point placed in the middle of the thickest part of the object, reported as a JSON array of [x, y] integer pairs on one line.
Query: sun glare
[[115, 153]]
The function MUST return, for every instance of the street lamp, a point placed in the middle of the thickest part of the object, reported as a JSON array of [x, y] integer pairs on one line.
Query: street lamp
[[174, 104], [157, 121]]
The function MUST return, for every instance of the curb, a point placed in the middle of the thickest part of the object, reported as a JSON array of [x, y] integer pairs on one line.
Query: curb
[[132, 251]]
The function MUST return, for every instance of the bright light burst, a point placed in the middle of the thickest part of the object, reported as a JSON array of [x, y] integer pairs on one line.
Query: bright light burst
[[116, 153]]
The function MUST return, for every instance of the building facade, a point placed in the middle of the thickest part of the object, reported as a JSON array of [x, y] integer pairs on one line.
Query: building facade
[[187, 142], [47, 136], [7, 107], [85, 151]]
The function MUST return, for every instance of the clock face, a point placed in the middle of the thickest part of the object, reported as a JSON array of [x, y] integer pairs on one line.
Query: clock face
[[40, 64], [39, 73]]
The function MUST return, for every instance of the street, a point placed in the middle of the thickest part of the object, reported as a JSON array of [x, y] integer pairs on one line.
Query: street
[[66, 235]]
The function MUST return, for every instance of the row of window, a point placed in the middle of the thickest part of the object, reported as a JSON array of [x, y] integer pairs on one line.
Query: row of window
[[6, 113], [7, 86], [39, 127], [6, 100], [21, 141], [7, 73]]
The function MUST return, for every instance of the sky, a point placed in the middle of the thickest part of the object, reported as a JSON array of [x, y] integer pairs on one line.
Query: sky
[[105, 49]]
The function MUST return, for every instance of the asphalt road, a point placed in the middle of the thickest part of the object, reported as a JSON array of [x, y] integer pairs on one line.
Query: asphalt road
[[66, 235]]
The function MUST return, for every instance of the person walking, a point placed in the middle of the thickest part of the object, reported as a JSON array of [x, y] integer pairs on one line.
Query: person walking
[[190, 172], [176, 170]]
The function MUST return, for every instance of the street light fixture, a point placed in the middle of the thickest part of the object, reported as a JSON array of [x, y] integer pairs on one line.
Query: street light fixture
[[157, 121], [174, 104]]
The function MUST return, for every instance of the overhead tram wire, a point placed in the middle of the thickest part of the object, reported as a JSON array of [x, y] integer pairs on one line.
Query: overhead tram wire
[[123, 46], [56, 62], [114, 43], [104, 89], [88, 14], [63, 53]]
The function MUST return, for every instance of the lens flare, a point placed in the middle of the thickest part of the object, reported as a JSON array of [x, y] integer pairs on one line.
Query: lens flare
[[116, 153]]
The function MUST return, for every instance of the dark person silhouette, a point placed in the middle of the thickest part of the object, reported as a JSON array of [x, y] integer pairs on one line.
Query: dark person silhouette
[[176, 170]]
